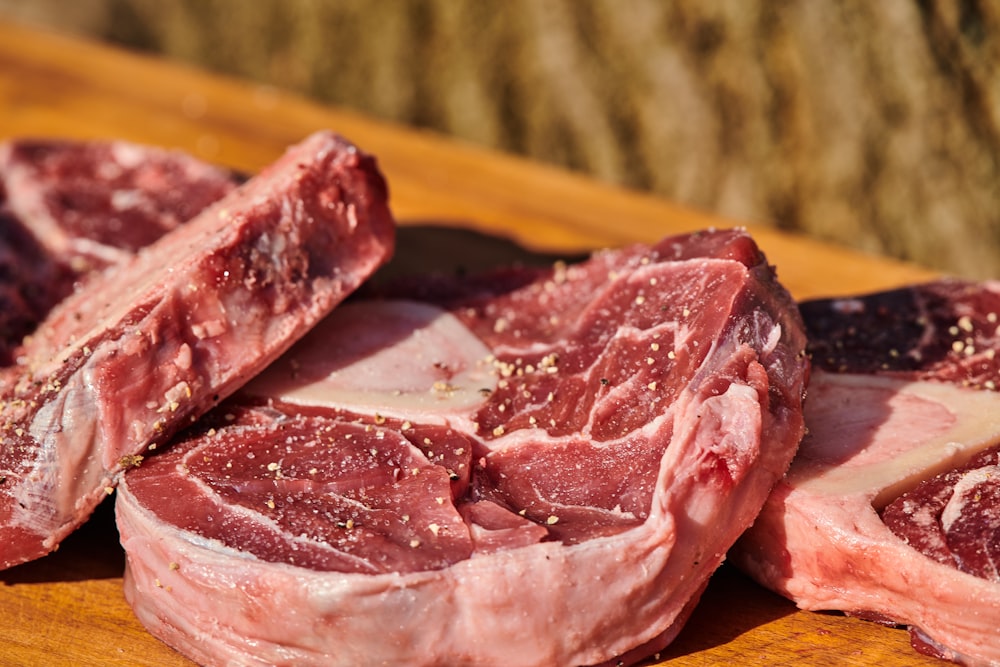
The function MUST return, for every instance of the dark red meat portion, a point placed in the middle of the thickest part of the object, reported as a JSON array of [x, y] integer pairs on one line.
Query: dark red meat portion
[[945, 330], [954, 517], [282, 469], [30, 283]]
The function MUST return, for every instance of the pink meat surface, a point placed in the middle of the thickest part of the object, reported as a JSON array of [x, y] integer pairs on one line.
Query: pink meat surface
[[525, 468], [889, 511], [145, 347]]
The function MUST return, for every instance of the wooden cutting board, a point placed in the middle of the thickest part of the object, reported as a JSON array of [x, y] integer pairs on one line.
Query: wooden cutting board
[[455, 201]]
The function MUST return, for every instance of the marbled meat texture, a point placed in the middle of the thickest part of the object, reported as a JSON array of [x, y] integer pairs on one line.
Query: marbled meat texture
[[68, 208], [524, 468], [144, 347], [890, 511]]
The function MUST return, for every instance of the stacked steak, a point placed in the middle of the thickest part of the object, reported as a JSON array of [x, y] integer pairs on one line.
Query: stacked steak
[[145, 303], [891, 510], [526, 467]]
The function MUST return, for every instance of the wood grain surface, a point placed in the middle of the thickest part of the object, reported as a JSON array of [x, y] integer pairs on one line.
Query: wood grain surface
[[457, 204]]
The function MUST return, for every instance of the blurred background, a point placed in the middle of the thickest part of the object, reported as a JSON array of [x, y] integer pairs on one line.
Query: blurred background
[[872, 124]]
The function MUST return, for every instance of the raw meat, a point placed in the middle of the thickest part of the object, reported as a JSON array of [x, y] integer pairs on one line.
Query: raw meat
[[524, 468], [145, 347], [70, 207], [890, 511]]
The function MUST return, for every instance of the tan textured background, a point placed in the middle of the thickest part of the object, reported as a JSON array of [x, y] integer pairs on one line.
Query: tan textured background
[[873, 124]]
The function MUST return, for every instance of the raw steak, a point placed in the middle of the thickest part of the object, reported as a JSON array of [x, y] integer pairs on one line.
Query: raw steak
[[144, 348], [70, 207], [525, 468], [890, 510]]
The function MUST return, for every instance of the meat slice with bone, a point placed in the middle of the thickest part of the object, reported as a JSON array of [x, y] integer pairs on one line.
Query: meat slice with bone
[[529, 467], [68, 208], [143, 348], [890, 509]]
